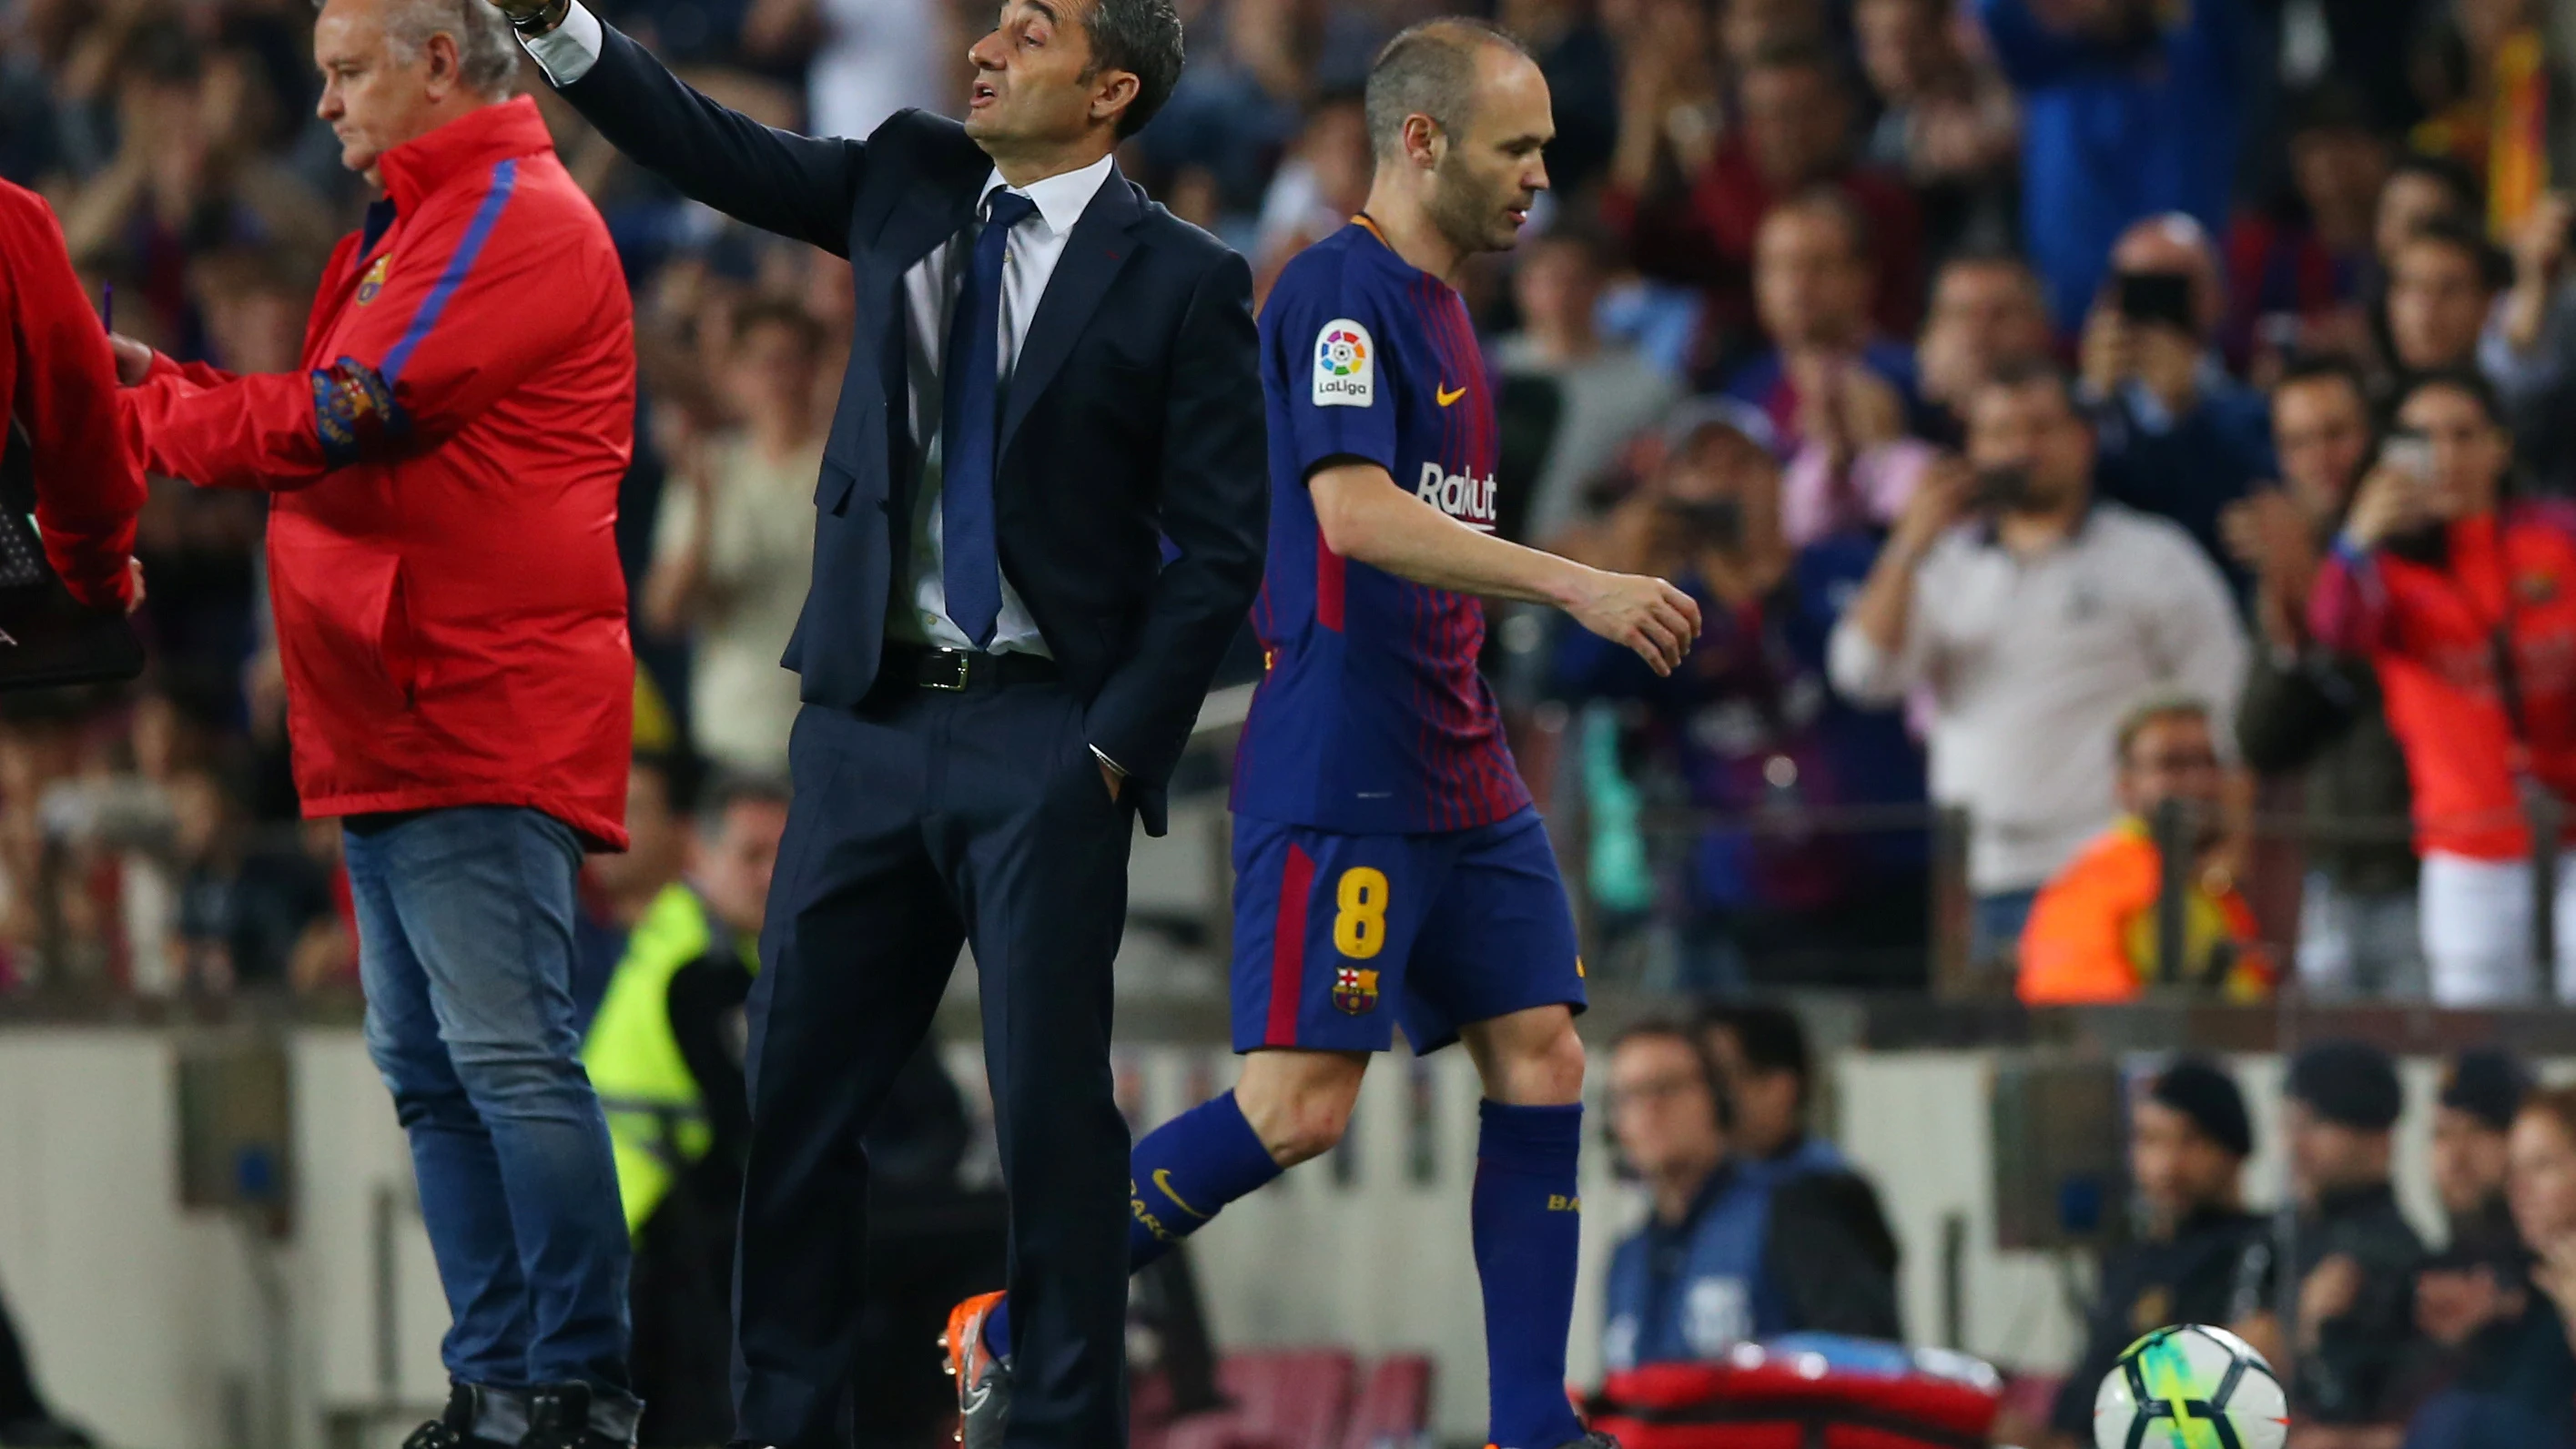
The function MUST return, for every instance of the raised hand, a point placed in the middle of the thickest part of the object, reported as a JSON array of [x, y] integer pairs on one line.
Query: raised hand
[[533, 17]]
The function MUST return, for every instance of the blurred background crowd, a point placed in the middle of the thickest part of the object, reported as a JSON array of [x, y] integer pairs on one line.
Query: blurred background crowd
[[1790, 245], [1788, 242]]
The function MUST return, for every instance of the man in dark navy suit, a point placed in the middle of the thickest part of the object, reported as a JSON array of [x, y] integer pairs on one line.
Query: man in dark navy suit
[[1051, 376]]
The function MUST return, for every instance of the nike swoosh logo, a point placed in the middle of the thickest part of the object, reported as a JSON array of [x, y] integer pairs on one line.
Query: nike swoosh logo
[[1163, 1184], [1445, 395]]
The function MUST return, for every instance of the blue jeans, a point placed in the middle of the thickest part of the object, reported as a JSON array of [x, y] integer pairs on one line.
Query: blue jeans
[[1995, 922], [465, 946]]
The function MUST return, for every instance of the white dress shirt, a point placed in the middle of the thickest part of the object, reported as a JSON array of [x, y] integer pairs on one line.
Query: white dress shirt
[[929, 291], [566, 54], [2031, 662]]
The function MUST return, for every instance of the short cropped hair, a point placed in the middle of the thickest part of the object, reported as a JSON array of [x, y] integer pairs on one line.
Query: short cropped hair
[[2326, 367], [1429, 70], [2494, 267], [1142, 38], [487, 53], [2466, 380], [1770, 1038], [717, 798], [2016, 374], [2164, 704], [778, 312], [1828, 199], [1665, 1028]]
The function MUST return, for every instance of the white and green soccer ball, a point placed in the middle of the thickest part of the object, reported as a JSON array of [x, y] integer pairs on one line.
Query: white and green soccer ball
[[2190, 1387]]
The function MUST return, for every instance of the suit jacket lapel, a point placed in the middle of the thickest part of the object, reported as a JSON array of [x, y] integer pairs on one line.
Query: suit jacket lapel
[[923, 218], [1092, 257]]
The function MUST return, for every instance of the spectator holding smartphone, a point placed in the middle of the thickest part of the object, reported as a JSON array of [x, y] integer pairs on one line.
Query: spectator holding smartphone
[[2314, 716], [2466, 603], [2180, 437]]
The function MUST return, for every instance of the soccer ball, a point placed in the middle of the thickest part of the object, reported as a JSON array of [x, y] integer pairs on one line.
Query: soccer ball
[[2190, 1387]]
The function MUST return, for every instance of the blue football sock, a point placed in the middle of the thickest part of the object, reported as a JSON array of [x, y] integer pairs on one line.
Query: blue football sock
[[1179, 1176], [1528, 1224]]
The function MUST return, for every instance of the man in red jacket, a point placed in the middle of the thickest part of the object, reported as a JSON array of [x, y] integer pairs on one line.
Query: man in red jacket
[[57, 382], [459, 683]]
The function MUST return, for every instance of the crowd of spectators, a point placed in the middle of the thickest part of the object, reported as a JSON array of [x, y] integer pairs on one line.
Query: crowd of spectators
[[2384, 1339], [1989, 369], [2386, 1331]]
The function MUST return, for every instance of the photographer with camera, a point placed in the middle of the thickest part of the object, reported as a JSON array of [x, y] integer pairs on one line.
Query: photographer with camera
[[1750, 729], [2034, 616], [2465, 601]]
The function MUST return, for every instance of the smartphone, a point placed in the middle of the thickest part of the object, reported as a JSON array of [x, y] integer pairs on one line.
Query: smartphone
[[2408, 453], [2162, 297]]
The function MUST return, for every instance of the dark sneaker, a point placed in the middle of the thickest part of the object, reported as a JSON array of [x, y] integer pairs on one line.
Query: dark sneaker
[[559, 1418], [455, 1428], [983, 1378]]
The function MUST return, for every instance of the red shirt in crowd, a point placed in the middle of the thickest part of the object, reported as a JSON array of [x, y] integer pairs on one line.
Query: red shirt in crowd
[[2431, 629], [449, 604], [60, 382]]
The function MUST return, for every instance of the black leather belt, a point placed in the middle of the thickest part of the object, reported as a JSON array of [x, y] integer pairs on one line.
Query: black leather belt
[[956, 670]]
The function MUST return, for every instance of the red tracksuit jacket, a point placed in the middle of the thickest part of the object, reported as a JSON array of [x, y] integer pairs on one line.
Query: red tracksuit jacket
[[2431, 630], [57, 377], [440, 554]]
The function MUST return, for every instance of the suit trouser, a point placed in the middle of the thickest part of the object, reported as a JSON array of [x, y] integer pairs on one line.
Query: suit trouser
[[921, 820]]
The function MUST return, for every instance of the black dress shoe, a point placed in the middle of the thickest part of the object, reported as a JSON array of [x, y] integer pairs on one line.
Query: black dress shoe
[[455, 1428], [559, 1418]]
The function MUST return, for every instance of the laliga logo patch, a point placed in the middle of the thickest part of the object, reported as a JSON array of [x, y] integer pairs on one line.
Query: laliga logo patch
[[1345, 366], [374, 281], [1354, 990]]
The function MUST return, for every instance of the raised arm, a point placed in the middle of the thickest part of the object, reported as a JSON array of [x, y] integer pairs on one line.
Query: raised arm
[[2349, 611], [796, 186]]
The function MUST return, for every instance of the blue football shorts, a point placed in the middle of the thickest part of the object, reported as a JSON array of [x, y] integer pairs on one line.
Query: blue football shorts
[[1339, 939]]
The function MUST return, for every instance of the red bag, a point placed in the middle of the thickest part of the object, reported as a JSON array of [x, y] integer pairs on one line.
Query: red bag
[[1812, 1391]]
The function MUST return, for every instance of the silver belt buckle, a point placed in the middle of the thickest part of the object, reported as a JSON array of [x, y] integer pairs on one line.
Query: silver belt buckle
[[946, 669]]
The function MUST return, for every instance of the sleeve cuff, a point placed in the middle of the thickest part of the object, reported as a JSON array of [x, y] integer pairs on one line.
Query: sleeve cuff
[[567, 52]]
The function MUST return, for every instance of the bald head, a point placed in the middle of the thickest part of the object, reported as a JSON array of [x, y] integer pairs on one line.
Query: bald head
[[1431, 70]]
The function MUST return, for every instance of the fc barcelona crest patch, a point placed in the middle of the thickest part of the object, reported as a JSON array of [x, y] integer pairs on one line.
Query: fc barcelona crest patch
[[374, 281], [2535, 587], [1354, 990]]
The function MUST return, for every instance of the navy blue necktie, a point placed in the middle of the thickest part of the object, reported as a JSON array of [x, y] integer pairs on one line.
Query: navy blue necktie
[[970, 566]]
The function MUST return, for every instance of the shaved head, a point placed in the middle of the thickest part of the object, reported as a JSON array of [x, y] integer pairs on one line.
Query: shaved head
[[1429, 70]]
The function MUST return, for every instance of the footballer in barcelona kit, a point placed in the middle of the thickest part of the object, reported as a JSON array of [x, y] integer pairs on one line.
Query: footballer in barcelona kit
[[1391, 871], [1389, 867]]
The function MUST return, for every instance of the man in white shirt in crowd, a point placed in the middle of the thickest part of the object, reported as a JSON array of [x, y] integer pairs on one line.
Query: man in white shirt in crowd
[[2032, 614], [733, 550]]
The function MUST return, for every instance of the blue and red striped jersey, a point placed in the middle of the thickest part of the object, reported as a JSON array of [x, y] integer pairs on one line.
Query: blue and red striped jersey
[[1371, 717]]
